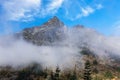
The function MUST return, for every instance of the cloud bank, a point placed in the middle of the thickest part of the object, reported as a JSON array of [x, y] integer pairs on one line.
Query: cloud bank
[[18, 52], [65, 54]]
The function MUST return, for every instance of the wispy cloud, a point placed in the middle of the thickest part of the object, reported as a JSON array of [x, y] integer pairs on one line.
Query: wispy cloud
[[27, 10], [86, 11], [99, 6], [80, 9], [51, 8], [116, 28], [21, 9]]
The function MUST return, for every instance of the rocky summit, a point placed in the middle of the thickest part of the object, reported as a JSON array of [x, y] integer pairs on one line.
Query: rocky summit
[[47, 33]]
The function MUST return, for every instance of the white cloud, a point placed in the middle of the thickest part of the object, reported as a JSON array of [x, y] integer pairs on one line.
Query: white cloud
[[116, 28], [21, 9], [52, 7], [55, 4], [86, 11], [99, 6], [65, 54], [26, 10], [80, 9]]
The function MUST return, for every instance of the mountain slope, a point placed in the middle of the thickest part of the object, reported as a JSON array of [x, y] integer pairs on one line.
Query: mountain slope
[[78, 37], [60, 45]]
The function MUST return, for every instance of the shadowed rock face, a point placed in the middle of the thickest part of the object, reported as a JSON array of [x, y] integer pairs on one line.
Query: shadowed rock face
[[45, 34]]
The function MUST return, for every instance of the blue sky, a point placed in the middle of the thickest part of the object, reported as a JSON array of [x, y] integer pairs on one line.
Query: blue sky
[[101, 15]]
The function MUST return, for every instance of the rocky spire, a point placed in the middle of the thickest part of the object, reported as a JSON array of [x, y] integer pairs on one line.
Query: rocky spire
[[54, 22]]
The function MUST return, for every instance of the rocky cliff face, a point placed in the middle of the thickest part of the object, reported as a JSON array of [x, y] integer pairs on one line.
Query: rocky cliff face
[[45, 34]]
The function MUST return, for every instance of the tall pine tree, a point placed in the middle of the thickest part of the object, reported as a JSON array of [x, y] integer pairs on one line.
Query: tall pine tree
[[57, 74], [87, 71]]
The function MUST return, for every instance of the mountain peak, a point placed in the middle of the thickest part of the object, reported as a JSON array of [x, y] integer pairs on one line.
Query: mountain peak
[[47, 33], [55, 18], [54, 22]]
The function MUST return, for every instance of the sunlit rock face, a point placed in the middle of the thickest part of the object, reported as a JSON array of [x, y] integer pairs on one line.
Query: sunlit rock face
[[49, 32]]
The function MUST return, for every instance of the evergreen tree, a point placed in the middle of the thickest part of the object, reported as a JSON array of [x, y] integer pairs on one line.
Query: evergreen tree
[[87, 71], [51, 76], [45, 73], [57, 73], [73, 76]]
